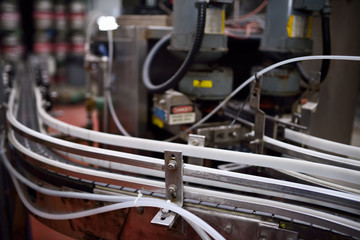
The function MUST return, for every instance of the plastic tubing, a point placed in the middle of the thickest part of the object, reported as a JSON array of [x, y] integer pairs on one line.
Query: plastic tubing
[[90, 196], [57, 193], [185, 66], [215, 183], [321, 182], [108, 96], [322, 144], [292, 208], [265, 70], [159, 146], [330, 158], [197, 223]]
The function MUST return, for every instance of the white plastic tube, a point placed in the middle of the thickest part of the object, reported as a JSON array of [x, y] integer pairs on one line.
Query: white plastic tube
[[82, 170], [189, 217], [108, 97], [149, 59], [187, 150], [220, 184], [329, 158], [262, 72], [65, 194], [322, 144], [90, 196]]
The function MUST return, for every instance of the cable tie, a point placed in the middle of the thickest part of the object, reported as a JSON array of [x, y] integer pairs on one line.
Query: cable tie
[[138, 197]]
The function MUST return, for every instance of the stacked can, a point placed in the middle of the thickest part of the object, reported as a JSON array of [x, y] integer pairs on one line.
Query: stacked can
[[61, 45], [43, 22], [12, 48], [77, 26]]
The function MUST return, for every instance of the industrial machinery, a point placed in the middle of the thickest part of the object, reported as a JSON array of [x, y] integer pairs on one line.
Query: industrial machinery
[[180, 153]]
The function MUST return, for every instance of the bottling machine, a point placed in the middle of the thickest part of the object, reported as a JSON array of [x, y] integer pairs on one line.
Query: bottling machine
[[188, 147]]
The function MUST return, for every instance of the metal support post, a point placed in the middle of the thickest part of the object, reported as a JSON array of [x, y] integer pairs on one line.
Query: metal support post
[[173, 187], [259, 126], [198, 141]]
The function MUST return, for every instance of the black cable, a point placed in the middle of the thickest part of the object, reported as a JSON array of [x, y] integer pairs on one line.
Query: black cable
[[186, 65], [325, 26], [326, 42]]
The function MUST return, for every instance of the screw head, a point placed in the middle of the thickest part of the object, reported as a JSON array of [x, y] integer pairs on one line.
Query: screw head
[[140, 210], [172, 190], [228, 228], [195, 142], [172, 165]]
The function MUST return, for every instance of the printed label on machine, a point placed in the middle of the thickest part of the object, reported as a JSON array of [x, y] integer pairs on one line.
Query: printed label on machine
[[182, 114]]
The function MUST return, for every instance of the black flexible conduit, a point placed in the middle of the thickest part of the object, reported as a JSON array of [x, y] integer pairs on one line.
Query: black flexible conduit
[[325, 26], [326, 42], [180, 73]]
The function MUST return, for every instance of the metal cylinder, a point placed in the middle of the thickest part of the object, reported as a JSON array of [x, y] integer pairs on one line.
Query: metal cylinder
[[214, 43], [288, 28]]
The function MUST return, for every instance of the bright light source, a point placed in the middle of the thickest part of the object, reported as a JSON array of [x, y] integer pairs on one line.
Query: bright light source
[[107, 23]]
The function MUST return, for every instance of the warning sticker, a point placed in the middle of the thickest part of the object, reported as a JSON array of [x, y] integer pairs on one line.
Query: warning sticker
[[299, 26], [182, 114], [182, 109], [181, 118], [202, 83]]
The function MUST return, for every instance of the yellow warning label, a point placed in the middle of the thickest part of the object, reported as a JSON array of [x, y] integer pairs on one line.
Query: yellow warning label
[[223, 22], [290, 25], [203, 83], [157, 122], [299, 26]]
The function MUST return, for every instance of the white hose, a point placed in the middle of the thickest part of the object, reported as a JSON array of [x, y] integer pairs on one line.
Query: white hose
[[196, 180], [329, 158], [149, 59], [108, 97], [262, 72], [65, 194], [198, 224], [192, 219], [322, 144], [193, 151]]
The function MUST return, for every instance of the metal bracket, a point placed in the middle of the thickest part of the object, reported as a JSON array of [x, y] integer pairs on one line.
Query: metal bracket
[[174, 177], [198, 141], [308, 102], [259, 126], [173, 187], [165, 218]]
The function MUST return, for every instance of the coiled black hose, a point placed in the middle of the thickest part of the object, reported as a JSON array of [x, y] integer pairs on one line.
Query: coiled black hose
[[180, 73]]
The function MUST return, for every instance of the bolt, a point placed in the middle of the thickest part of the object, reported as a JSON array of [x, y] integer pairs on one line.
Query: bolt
[[140, 210], [164, 214], [195, 142], [172, 165], [228, 228], [172, 190]]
